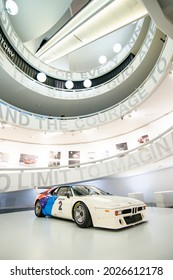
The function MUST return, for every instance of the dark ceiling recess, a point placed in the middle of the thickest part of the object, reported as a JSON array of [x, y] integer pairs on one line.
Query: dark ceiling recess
[[77, 5]]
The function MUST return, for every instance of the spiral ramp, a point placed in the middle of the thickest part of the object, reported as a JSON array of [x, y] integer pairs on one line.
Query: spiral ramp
[[120, 108]]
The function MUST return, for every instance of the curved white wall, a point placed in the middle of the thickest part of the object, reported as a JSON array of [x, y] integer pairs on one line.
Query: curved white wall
[[22, 178], [84, 93], [139, 96]]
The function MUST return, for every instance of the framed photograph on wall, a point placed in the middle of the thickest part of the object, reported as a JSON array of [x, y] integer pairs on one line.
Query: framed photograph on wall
[[72, 162], [122, 147], [143, 139], [54, 158], [28, 160], [54, 155], [73, 154], [53, 163]]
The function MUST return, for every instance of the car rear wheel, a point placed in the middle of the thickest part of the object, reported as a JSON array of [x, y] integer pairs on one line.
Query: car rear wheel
[[38, 209], [82, 215]]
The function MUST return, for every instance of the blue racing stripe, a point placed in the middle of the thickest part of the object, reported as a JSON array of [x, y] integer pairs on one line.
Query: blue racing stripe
[[47, 210]]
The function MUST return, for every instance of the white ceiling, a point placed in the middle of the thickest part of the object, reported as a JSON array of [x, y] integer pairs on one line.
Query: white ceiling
[[100, 17], [36, 17]]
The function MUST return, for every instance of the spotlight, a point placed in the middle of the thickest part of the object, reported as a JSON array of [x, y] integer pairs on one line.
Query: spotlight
[[41, 77], [117, 48], [102, 59], [11, 7], [87, 83], [69, 84]]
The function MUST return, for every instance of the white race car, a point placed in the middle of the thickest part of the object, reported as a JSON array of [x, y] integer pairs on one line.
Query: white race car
[[90, 206]]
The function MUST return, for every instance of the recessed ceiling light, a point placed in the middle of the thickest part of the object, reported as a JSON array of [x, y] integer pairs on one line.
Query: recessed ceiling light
[[102, 59], [117, 48], [41, 77], [69, 84], [87, 83], [11, 7]]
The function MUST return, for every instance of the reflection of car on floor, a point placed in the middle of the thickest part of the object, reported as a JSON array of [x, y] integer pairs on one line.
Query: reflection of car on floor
[[88, 205]]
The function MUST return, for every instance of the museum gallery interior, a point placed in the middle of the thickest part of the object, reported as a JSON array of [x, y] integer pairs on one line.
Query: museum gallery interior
[[86, 99]]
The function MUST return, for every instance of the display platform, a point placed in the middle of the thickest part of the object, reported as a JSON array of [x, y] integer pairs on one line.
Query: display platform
[[24, 236]]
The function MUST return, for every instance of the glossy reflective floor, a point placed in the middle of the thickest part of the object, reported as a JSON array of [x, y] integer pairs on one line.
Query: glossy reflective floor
[[23, 236]]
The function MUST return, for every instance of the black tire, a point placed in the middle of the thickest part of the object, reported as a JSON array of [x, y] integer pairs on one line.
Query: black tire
[[82, 215], [38, 209]]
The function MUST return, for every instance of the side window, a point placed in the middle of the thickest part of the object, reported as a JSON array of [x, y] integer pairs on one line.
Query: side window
[[62, 191], [55, 192]]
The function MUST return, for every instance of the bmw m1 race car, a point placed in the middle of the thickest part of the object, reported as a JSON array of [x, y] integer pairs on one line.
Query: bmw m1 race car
[[90, 206]]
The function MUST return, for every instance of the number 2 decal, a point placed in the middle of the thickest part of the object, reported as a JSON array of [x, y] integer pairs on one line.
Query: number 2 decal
[[60, 205]]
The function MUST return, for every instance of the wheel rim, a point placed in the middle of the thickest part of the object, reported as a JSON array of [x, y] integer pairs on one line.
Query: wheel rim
[[38, 208], [80, 214]]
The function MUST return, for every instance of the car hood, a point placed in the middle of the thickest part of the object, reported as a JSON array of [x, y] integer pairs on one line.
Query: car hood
[[111, 201]]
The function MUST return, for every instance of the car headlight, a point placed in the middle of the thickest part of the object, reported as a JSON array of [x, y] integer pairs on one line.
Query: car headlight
[[118, 212]]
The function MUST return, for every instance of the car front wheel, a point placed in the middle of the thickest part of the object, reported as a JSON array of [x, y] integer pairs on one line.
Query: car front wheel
[[38, 209], [82, 216]]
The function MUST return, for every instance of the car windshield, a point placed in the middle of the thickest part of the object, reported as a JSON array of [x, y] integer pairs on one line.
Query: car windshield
[[87, 190]]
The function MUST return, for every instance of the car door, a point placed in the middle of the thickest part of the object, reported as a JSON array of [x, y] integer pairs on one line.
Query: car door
[[62, 207]]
